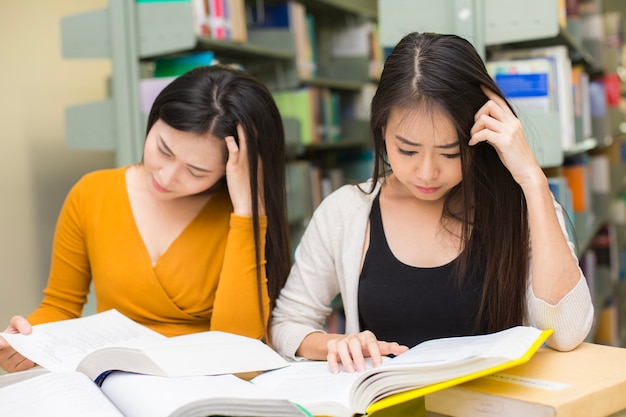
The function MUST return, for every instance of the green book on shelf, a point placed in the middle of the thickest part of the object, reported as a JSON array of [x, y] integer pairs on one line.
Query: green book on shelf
[[174, 66], [303, 105]]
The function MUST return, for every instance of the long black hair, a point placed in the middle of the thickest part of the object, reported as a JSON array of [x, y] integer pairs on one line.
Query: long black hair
[[215, 99], [445, 72]]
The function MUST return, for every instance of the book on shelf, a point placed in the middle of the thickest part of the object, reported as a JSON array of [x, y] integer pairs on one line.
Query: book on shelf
[[292, 16], [531, 82], [577, 172], [304, 105], [427, 367], [220, 19], [607, 327], [562, 193], [217, 19], [298, 191], [97, 344], [176, 65], [359, 107], [376, 53], [236, 20], [200, 13], [351, 41], [329, 125], [582, 105], [588, 381]]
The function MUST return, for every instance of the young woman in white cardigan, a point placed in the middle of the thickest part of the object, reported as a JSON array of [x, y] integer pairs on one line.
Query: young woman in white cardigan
[[457, 232]]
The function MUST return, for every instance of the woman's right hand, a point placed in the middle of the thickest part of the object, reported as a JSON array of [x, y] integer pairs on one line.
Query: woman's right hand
[[350, 350], [10, 360], [238, 176]]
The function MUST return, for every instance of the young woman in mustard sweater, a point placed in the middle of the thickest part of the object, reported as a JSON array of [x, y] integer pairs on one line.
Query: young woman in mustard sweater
[[193, 238]]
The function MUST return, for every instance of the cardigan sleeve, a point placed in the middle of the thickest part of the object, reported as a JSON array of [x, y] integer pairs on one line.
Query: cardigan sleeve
[[572, 317], [327, 263], [305, 300]]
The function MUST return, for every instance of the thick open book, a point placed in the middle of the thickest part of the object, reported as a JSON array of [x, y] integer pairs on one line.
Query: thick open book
[[123, 394], [428, 367], [138, 372], [301, 388], [108, 341]]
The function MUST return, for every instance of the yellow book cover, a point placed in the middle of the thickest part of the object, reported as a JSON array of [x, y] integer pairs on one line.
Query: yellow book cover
[[497, 366], [589, 381]]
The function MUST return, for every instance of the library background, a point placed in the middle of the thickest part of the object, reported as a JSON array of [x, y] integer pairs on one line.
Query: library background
[[562, 63]]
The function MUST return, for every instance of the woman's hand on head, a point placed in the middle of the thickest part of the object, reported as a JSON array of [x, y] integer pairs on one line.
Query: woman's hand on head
[[352, 349], [10, 360], [497, 125], [238, 176]]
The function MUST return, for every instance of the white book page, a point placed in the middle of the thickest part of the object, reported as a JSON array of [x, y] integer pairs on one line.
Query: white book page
[[139, 395], [60, 346], [212, 353], [56, 394], [311, 384], [508, 344]]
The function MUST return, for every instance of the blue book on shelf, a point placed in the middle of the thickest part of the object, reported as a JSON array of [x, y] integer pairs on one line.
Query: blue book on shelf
[[562, 193], [270, 16], [526, 83]]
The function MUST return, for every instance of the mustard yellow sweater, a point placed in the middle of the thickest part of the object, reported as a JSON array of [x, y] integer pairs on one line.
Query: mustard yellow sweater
[[206, 280]]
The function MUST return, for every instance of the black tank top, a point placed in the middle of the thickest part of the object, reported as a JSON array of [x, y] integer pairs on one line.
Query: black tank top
[[406, 304]]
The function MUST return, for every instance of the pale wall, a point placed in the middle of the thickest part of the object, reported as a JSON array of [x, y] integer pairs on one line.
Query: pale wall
[[36, 169]]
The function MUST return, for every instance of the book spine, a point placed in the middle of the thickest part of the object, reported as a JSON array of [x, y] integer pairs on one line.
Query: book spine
[[217, 19]]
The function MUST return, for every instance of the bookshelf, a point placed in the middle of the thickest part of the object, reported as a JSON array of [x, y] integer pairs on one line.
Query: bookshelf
[[133, 34]]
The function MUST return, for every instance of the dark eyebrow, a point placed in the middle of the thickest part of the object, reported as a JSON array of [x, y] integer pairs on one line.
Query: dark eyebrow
[[167, 148], [408, 142]]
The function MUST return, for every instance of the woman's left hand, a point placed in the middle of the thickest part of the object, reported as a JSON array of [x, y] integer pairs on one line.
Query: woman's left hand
[[238, 176], [496, 124]]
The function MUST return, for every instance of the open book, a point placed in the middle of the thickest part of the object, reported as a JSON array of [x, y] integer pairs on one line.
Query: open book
[[301, 388], [428, 367], [138, 372], [96, 344], [123, 394]]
